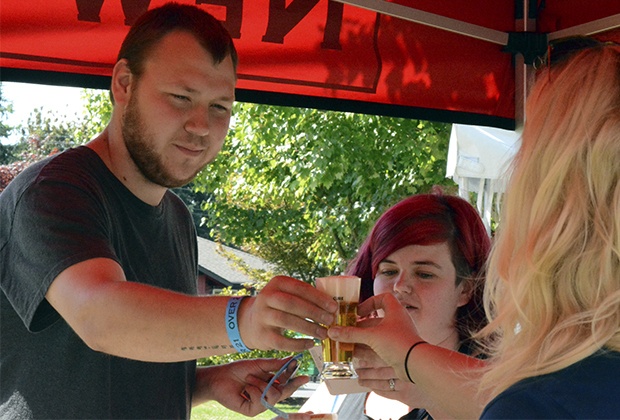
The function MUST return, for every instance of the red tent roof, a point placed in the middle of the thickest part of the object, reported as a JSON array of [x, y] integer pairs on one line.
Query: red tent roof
[[314, 53]]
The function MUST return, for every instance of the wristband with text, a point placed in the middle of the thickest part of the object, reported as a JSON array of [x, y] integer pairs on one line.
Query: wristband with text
[[232, 324]]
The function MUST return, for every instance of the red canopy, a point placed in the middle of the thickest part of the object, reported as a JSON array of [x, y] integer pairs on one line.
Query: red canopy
[[321, 53]]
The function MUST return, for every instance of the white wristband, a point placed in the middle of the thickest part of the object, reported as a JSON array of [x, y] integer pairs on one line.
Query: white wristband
[[232, 325]]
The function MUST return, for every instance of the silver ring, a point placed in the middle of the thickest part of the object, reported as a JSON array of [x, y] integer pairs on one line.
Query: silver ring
[[392, 385]]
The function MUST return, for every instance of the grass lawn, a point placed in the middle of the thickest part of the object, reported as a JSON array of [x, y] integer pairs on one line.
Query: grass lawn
[[214, 411]]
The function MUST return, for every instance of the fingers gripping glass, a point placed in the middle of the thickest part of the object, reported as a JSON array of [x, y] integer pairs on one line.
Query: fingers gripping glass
[[263, 397]]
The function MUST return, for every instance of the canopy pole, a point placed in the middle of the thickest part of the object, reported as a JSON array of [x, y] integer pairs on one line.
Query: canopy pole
[[589, 28], [526, 22], [430, 19]]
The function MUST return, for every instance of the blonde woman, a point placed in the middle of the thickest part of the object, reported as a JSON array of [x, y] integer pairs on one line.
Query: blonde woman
[[553, 291]]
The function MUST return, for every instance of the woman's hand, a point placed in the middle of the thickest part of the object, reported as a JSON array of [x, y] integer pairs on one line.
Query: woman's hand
[[389, 337]]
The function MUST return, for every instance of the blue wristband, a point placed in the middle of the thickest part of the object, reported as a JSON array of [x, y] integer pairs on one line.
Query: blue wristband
[[232, 325]]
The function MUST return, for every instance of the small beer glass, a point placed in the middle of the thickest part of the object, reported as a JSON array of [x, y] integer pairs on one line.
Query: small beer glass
[[337, 357]]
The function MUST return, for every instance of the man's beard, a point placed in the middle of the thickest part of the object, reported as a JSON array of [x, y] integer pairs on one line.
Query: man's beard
[[140, 147]]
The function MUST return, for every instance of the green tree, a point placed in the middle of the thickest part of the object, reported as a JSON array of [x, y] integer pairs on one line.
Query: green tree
[[97, 112], [302, 187], [6, 108], [6, 150], [44, 134], [194, 199], [47, 132]]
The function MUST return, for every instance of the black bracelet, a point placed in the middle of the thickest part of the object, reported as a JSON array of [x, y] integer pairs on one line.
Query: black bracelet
[[407, 358]]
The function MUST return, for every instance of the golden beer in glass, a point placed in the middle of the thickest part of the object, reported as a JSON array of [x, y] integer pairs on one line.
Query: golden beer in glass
[[337, 357]]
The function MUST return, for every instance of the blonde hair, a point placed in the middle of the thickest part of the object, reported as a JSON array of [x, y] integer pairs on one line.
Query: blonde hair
[[553, 291]]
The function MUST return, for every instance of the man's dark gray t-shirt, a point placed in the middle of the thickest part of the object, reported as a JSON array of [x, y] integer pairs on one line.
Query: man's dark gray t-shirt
[[57, 213]]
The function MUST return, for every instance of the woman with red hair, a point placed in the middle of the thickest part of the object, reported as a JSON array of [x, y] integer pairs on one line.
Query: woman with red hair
[[428, 250], [444, 223]]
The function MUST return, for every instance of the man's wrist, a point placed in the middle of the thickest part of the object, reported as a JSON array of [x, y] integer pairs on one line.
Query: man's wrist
[[203, 391], [233, 319], [245, 321]]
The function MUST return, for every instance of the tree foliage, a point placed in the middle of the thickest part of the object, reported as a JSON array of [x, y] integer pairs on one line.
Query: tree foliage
[[6, 108], [194, 200], [6, 150], [47, 132], [302, 187], [97, 112]]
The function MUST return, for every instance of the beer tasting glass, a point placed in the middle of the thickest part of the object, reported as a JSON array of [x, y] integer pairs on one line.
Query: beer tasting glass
[[337, 357]]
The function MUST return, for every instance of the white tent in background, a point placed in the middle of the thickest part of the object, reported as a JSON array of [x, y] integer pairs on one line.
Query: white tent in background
[[478, 158]]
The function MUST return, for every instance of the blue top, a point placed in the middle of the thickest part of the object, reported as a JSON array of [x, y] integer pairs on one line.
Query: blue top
[[588, 389]]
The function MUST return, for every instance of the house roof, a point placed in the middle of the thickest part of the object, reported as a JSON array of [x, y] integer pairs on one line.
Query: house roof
[[213, 262]]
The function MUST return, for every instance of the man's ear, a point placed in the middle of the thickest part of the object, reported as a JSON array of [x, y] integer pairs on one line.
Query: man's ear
[[122, 78]]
